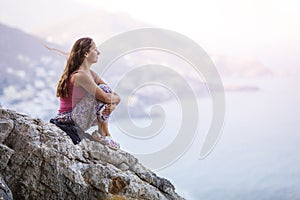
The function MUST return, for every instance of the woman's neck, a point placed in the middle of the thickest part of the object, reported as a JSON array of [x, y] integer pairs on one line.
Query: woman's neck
[[85, 66]]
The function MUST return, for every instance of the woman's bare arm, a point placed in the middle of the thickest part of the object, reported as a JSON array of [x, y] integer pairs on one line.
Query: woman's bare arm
[[98, 80], [86, 81]]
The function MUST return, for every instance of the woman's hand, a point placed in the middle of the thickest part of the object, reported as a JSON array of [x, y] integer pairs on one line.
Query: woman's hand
[[109, 108], [118, 99]]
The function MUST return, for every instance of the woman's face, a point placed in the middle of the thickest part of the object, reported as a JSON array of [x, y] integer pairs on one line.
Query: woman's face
[[92, 55]]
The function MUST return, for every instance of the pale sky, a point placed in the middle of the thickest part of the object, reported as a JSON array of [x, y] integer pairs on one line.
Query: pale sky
[[262, 18], [232, 26], [265, 29]]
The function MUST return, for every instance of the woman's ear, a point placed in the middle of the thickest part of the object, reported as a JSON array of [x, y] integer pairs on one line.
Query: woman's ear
[[86, 54]]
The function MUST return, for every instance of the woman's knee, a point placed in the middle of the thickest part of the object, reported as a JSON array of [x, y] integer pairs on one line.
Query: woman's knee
[[105, 88]]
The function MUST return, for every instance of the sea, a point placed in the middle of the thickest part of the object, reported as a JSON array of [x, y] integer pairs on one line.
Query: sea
[[255, 156]]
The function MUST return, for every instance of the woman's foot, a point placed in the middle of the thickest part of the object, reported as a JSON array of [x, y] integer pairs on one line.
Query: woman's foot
[[105, 140], [113, 144], [98, 137]]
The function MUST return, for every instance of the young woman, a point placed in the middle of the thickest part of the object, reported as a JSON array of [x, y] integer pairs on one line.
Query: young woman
[[85, 99]]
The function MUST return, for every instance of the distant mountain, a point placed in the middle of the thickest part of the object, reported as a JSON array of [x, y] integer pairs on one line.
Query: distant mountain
[[22, 56], [98, 24], [240, 67], [17, 44], [29, 72]]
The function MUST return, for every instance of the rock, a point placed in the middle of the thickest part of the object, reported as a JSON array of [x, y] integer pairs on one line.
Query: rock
[[5, 155], [6, 126], [5, 193], [39, 161]]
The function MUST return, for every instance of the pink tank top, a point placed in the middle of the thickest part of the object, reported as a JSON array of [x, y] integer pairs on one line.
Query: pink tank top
[[75, 95]]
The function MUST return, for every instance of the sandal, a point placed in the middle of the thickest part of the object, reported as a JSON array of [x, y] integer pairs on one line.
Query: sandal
[[100, 138], [113, 144], [106, 140]]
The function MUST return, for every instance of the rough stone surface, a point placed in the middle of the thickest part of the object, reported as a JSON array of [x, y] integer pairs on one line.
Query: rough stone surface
[[5, 193], [39, 161]]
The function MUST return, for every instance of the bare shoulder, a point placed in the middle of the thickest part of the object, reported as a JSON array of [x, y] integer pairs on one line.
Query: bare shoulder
[[94, 74], [97, 78], [80, 74], [80, 77]]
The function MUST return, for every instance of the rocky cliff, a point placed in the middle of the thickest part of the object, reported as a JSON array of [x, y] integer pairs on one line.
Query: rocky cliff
[[39, 161]]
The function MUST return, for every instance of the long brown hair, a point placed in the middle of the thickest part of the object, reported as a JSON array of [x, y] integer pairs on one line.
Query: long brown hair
[[76, 57]]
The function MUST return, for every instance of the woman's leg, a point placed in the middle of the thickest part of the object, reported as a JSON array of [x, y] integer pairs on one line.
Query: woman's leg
[[103, 136], [103, 125], [103, 128]]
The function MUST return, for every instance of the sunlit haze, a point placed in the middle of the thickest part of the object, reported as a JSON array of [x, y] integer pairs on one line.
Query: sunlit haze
[[266, 30]]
